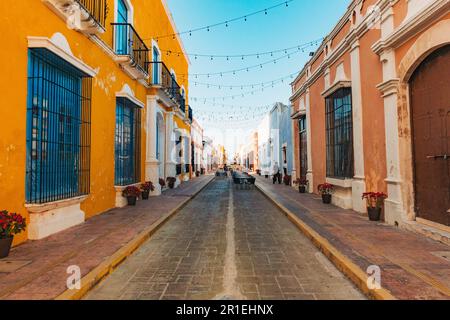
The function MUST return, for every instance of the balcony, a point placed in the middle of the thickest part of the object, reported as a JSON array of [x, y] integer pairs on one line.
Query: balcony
[[87, 16], [163, 79], [131, 50], [190, 114]]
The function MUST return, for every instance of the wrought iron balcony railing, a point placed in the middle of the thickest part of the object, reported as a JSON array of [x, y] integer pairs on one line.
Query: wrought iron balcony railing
[[161, 76], [127, 42], [97, 9], [190, 114]]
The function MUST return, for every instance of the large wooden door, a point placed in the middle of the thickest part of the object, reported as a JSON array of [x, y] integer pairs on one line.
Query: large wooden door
[[430, 105]]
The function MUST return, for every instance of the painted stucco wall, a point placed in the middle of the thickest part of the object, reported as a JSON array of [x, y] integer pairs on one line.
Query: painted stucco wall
[[33, 18]]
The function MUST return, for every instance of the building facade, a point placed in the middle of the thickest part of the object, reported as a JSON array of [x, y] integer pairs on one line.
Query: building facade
[[370, 108], [275, 143], [94, 106], [197, 147], [281, 137], [248, 156], [208, 154]]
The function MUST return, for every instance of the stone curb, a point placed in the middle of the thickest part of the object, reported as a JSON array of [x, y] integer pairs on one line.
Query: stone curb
[[342, 262], [90, 280]]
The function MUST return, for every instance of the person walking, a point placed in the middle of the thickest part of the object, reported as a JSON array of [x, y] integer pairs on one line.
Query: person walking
[[276, 173]]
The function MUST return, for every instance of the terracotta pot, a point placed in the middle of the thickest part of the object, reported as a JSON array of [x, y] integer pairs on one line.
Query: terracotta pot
[[5, 246], [374, 214], [131, 201], [145, 195], [302, 189], [326, 198]]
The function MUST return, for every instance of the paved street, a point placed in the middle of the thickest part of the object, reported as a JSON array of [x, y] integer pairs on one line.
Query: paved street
[[227, 244]]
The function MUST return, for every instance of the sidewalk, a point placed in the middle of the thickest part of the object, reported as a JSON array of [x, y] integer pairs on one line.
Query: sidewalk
[[412, 266], [38, 269]]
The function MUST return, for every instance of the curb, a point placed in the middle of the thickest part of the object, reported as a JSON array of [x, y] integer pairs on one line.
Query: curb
[[342, 262], [90, 280]]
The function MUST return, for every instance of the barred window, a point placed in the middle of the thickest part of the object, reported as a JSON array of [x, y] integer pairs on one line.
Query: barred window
[[303, 147], [58, 129], [339, 127], [127, 143]]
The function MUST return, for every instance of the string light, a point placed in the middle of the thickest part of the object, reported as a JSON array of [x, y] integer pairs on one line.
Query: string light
[[252, 85], [226, 22], [232, 96], [260, 65], [298, 47]]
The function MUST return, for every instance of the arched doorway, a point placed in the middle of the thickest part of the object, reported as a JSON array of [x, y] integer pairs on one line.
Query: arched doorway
[[430, 112]]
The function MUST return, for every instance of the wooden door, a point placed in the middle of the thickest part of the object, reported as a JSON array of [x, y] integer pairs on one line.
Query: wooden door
[[430, 109]]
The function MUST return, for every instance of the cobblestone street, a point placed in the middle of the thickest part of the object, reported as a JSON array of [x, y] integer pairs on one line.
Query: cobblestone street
[[227, 244]]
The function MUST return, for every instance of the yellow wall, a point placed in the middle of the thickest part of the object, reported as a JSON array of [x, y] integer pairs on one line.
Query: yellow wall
[[33, 18]]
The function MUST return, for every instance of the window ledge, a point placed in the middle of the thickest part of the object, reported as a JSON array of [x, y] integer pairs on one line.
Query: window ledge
[[121, 188], [39, 208], [343, 183], [336, 86]]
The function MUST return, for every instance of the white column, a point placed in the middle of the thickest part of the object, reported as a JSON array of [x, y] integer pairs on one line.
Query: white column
[[170, 147], [151, 163], [309, 174], [394, 207], [358, 184]]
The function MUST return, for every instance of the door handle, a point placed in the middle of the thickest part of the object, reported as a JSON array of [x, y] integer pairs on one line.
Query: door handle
[[443, 156]]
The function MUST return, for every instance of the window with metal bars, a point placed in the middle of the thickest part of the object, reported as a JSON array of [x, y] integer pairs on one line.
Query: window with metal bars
[[127, 143], [339, 129], [58, 129], [303, 147]]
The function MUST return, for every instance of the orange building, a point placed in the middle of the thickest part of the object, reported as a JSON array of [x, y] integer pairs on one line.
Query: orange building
[[371, 110]]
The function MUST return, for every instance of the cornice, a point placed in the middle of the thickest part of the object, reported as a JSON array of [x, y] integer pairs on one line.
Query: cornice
[[412, 26], [389, 87]]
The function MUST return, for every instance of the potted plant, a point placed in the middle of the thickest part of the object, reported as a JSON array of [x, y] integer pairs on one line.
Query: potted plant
[[326, 190], [197, 173], [146, 188], [10, 225], [162, 183], [375, 201], [171, 182], [287, 180], [302, 184], [131, 193]]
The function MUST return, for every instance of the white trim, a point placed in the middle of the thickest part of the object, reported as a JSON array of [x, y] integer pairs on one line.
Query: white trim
[[39, 208], [335, 87], [155, 45], [126, 92], [62, 52], [130, 10], [343, 183], [173, 73]]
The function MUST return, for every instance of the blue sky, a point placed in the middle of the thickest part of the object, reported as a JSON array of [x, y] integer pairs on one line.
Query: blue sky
[[301, 22]]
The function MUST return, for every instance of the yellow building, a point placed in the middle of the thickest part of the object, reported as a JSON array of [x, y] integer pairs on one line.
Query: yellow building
[[91, 104]]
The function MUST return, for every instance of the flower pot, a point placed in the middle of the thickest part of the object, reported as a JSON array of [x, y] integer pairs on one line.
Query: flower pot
[[302, 189], [326, 198], [145, 195], [5, 246], [374, 213], [171, 185], [131, 201]]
